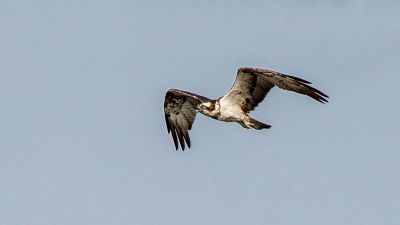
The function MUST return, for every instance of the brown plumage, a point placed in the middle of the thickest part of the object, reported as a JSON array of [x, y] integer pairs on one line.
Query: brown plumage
[[249, 89], [180, 111]]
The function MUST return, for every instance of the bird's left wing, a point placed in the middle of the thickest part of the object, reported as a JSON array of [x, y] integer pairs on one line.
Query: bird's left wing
[[180, 111], [253, 84]]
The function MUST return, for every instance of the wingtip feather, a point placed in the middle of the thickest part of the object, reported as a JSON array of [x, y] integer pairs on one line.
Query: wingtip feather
[[173, 133]]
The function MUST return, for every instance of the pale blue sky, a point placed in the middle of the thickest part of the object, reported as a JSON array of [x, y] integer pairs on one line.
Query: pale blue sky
[[83, 138]]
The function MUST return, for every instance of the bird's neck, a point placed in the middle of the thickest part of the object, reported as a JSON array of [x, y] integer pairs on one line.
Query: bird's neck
[[211, 108]]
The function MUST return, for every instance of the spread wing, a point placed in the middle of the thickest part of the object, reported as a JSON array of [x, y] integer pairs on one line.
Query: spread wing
[[253, 84], [180, 111]]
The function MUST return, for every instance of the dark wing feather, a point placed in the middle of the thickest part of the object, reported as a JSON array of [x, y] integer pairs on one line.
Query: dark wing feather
[[180, 111], [253, 84]]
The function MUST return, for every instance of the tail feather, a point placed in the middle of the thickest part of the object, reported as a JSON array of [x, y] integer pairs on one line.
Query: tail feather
[[257, 124]]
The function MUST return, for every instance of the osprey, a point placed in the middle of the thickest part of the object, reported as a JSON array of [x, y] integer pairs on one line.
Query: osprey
[[250, 88]]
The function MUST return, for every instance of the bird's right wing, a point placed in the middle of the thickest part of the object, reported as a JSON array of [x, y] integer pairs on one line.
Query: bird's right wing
[[180, 111]]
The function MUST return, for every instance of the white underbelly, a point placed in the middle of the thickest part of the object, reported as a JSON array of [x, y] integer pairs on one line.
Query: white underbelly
[[231, 114]]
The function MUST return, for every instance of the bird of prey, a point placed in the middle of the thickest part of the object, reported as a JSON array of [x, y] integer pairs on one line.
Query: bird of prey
[[249, 89]]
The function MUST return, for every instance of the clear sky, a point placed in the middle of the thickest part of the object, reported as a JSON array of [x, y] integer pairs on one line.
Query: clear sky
[[82, 133]]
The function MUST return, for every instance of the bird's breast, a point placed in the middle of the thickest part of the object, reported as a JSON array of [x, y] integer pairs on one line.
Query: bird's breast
[[230, 112]]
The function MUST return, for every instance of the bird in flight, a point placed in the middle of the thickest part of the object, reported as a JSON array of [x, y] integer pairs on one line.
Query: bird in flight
[[250, 88]]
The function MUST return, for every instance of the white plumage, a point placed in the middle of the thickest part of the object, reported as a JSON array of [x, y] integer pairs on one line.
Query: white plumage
[[249, 89]]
